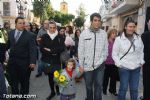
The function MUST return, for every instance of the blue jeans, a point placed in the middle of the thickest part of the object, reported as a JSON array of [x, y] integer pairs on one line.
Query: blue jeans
[[40, 67], [94, 78], [40, 63], [130, 77]]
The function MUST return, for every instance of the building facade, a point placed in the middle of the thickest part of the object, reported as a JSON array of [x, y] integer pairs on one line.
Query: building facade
[[119, 10], [10, 9], [64, 7]]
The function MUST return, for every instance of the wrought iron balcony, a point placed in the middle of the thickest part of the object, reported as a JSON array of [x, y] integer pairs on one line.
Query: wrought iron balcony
[[121, 6]]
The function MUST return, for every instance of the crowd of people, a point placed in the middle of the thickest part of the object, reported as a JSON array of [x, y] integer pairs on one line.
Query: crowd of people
[[101, 57]]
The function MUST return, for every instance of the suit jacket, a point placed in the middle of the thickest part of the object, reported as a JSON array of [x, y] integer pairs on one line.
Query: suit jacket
[[24, 51], [146, 42]]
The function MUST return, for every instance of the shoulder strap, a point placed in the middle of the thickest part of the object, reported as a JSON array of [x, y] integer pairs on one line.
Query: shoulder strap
[[128, 50]]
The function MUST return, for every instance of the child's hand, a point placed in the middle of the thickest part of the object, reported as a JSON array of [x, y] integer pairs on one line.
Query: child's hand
[[81, 69]]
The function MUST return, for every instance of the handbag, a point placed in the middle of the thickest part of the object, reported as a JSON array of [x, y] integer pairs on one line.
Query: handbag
[[50, 68], [47, 68], [128, 50], [64, 56]]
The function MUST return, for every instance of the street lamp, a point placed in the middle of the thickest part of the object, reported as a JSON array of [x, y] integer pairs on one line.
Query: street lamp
[[21, 8]]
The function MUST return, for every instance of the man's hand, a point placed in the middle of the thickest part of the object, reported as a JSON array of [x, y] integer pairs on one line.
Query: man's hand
[[32, 66], [47, 49], [81, 69], [38, 40]]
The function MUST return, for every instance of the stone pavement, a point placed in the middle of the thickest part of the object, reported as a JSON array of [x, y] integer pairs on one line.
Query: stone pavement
[[40, 87]]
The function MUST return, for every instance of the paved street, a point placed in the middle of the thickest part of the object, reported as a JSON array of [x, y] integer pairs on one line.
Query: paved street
[[40, 87]]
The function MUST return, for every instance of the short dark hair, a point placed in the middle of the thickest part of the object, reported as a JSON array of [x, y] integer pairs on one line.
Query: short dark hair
[[62, 28], [16, 20], [6, 23], [95, 15], [52, 22]]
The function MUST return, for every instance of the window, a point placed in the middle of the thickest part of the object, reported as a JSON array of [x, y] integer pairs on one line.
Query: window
[[64, 7], [6, 21], [6, 8]]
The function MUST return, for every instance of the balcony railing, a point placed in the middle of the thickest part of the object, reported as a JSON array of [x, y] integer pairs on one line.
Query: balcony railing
[[115, 4], [120, 6]]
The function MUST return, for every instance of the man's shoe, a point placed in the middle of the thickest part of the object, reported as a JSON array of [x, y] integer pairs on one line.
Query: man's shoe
[[58, 93], [104, 92], [141, 98], [114, 93], [50, 96], [38, 75]]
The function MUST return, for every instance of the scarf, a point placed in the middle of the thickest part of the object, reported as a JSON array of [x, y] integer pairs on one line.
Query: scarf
[[94, 30], [131, 39], [52, 35]]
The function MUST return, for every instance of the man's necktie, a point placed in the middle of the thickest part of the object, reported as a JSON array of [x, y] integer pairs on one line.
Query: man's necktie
[[17, 36]]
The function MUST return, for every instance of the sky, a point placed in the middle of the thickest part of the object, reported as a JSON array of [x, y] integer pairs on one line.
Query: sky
[[91, 6]]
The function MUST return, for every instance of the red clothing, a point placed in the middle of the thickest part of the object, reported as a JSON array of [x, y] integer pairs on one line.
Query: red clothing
[[69, 72]]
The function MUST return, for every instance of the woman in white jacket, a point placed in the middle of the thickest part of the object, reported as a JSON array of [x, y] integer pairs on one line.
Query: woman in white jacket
[[128, 56]]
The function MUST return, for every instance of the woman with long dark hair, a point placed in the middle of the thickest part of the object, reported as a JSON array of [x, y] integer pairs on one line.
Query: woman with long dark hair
[[77, 35], [69, 32], [129, 57]]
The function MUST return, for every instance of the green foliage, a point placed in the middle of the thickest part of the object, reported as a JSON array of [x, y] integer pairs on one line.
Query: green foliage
[[81, 11], [64, 19], [79, 21], [42, 9]]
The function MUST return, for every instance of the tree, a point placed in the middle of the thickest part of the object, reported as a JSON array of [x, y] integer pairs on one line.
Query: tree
[[64, 19], [42, 9], [57, 16], [79, 21], [81, 11]]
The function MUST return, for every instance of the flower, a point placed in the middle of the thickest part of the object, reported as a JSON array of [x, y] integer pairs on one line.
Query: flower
[[62, 78], [56, 74]]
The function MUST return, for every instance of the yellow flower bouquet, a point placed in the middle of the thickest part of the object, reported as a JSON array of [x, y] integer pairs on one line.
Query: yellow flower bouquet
[[60, 79]]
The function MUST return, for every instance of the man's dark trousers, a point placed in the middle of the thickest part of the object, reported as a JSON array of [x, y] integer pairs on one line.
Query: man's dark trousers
[[2, 83], [22, 54], [146, 81], [94, 79]]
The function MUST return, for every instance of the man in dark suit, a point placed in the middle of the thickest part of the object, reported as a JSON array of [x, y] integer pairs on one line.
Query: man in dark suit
[[2, 83], [146, 66], [22, 57]]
